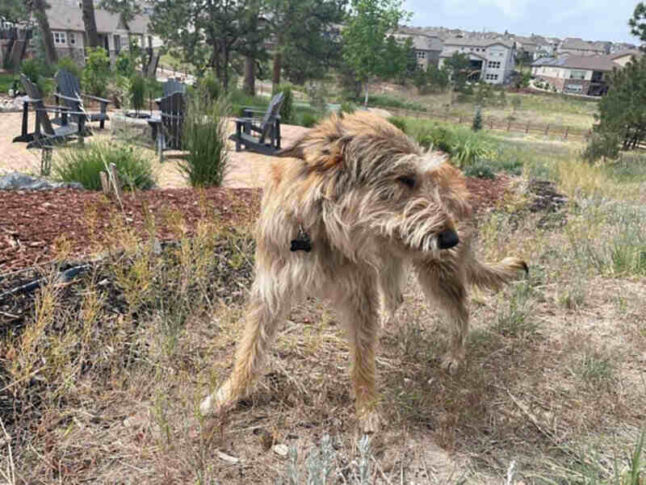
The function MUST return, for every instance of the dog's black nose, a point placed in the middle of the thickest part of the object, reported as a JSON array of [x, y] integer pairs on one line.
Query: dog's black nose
[[447, 239]]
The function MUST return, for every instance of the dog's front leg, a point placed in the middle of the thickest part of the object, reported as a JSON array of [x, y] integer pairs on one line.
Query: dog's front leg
[[270, 301], [391, 280], [444, 284], [359, 308]]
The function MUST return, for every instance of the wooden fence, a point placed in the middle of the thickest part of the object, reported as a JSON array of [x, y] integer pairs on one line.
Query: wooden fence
[[510, 126]]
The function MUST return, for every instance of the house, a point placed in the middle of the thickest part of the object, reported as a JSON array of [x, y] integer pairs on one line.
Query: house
[[427, 47], [580, 47], [492, 60], [624, 57], [575, 73], [66, 23]]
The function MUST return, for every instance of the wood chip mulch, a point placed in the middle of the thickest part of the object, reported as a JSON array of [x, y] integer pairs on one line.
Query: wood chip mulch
[[33, 222]]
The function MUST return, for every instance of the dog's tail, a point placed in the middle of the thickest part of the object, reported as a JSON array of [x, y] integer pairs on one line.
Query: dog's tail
[[495, 275]]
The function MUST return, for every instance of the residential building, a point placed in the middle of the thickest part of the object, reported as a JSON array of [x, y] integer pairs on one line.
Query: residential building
[[66, 23], [427, 47], [580, 47], [576, 74], [492, 60], [624, 57]]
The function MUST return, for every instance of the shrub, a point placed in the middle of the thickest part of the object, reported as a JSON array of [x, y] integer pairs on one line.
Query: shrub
[[464, 145], [287, 108], [70, 65], [84, 164], [477, 120], [602, 145], [39, 73], [205, 139], [137, 92], [308, 119], [124, 64], [398, 122], [481, 169], [210, 85], [348, 107], [96, 74]]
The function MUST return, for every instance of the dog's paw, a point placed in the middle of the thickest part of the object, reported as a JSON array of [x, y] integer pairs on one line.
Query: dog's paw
[[369, 422], [218, 402], [451, 363]]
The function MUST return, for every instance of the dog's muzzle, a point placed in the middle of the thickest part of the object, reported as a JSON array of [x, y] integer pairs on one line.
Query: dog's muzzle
[[447, 239]]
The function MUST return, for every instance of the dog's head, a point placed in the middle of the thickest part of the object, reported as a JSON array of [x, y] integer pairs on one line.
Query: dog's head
[[381, 184]]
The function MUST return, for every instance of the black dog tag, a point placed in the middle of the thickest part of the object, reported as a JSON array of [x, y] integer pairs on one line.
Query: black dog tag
[[302, 241]]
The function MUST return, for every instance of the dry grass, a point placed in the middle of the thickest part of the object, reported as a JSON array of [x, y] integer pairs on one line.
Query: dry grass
[[101, 382]]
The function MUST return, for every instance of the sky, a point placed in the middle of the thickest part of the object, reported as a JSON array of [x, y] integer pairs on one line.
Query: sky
[[588, 19]]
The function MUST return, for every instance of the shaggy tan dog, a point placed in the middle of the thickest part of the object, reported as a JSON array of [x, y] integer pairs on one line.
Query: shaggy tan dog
[[357, 201]]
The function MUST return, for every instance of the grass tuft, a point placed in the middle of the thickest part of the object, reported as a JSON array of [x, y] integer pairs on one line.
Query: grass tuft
[[84, 165]]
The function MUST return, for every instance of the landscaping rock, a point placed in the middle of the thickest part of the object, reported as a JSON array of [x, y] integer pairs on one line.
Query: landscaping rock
[[11, 105], [21, 181]]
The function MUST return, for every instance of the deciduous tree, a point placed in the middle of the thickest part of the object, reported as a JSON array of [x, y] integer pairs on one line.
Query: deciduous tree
[[365, 37]]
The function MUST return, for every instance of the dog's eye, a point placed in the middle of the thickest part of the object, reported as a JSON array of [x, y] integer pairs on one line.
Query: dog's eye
[[407, 180]]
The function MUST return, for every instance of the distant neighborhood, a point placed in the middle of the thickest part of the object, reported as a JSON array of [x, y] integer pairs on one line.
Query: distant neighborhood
[[569, 65]]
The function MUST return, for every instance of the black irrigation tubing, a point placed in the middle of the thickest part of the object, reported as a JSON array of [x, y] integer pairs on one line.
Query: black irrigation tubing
[[63, 277]]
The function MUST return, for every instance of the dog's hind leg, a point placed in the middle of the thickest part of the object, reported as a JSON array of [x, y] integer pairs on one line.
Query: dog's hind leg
[[442, 283], [359, 310], [269, 303]]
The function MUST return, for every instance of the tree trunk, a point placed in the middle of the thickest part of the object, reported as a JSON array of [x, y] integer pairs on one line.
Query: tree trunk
[[249, 76], [278, 64], [89, 21], [39, 9], [365, 99]]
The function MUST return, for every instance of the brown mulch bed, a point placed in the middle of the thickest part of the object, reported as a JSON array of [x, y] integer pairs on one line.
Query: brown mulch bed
[[32, 223]]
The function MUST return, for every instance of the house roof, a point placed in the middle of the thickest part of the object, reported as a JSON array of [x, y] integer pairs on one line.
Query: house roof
[[67, 15], [579, 44], [591, 63], [627, 52], [463, 42], [427, 43]]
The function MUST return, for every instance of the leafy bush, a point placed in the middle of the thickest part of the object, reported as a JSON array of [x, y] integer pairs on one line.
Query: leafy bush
[[84, 164], [137, 92], [308, 119], [348, 107], [124, 65], [602, 145], [481, 169], [96, 74], [287, 108], [210, 85], [70, 65], [39, 73], [399, 122], [205, 139]]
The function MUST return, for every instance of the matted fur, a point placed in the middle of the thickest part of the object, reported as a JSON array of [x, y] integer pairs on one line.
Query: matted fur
[[373, 204]]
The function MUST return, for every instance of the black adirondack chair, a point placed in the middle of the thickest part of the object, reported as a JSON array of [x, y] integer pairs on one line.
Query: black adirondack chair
[[170, 87], [267, 140], [46, 135], [69, 92], [169, 125]]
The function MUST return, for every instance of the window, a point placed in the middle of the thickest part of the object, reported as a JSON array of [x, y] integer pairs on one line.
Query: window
[[59, 38], [577, 74], [491, 77], [493, 64], [72, 38]]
